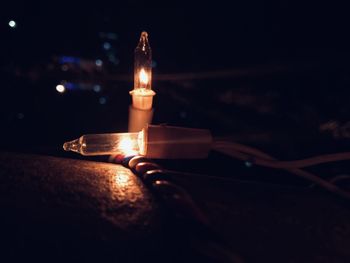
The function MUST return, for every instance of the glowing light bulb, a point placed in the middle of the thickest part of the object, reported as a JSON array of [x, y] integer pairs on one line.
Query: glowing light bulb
[[142, 94], [143, 63], [106, 144], [154, 141]]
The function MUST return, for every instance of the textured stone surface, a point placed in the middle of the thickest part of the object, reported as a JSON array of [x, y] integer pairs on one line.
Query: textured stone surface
[[274, 223], [62, 210], [101, 208]]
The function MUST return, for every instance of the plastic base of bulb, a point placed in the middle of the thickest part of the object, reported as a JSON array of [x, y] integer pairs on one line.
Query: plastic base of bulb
[[138, 119], [142, 99], [168, 142]]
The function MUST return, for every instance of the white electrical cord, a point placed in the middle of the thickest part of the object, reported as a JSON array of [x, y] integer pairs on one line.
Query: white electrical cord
[[255, 156], [273, 163]]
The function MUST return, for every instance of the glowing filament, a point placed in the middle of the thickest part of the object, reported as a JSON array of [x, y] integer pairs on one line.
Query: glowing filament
[[128, 146], [143, 77]]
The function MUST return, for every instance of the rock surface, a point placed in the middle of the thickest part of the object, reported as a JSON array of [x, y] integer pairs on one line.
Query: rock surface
[[54, 208], [63, 210]]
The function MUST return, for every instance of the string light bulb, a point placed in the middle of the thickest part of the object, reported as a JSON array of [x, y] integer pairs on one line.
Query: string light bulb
[[154, 141], [142, 94], [106, 144]]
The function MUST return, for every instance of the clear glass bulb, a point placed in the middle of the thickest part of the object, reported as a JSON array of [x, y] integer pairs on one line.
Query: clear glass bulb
[[107, 144], [142, 94], [143, 64], [154, 141]]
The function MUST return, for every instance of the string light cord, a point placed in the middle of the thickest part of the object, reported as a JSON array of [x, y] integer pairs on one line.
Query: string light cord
[[273, 163], [239, 154], [182, 208], [246, 153], [340, 178], [167, 142]]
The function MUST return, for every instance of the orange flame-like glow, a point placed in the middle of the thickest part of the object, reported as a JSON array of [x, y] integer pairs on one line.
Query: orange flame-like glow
[[143, 77]]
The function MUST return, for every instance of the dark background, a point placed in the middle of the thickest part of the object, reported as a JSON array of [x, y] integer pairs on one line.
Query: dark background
[[273, 75], [281, 72]]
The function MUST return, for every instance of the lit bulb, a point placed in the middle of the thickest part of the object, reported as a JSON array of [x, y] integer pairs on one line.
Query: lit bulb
[[154, 141], [143, 63], [142, 94], [106, 144]]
